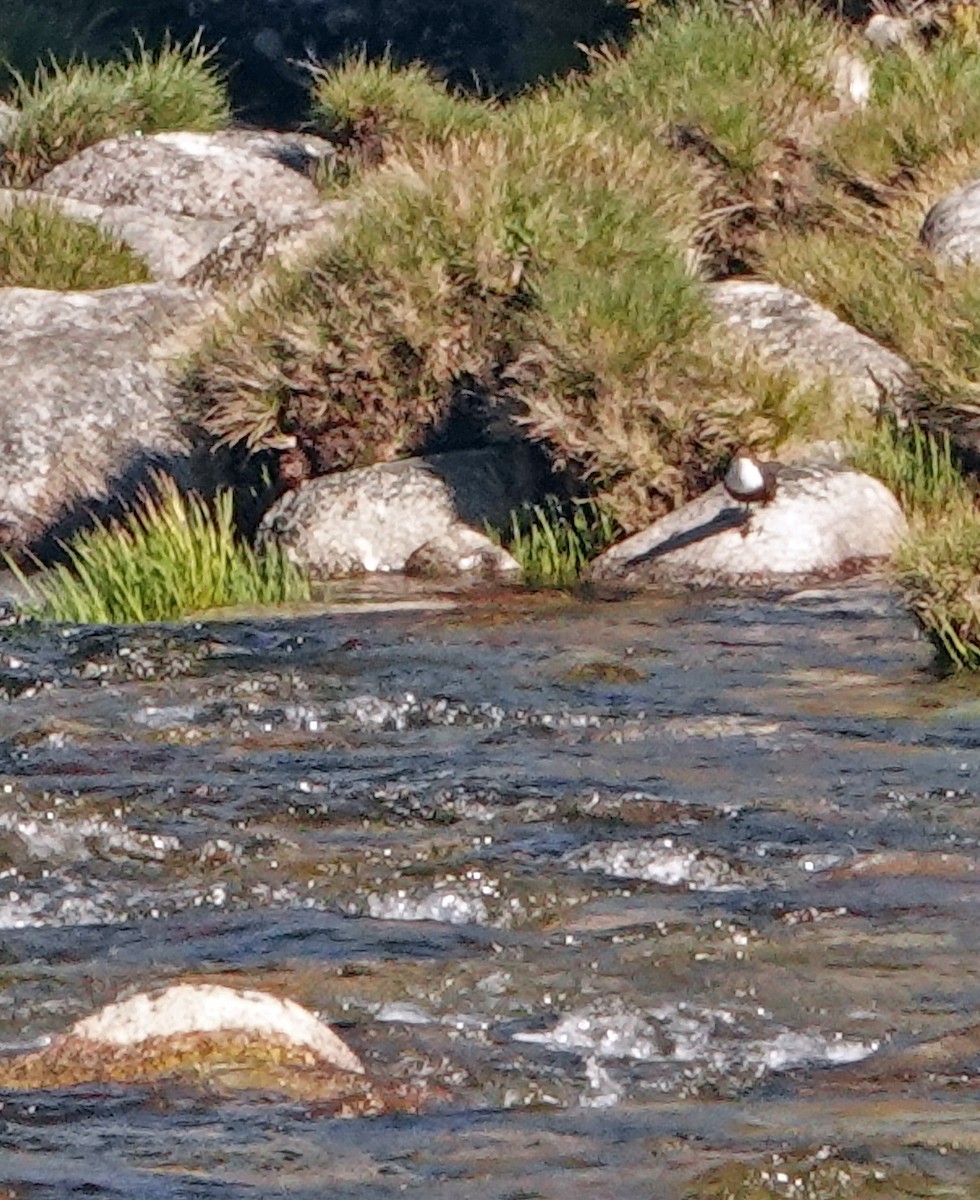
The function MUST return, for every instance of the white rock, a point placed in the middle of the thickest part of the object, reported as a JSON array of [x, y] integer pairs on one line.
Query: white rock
[[376, 518], [94, 404], [885, 33], [461, 551], [851, 80], [822, 521], [218, 176], [951, 229], [789, 331], [210, 1008]]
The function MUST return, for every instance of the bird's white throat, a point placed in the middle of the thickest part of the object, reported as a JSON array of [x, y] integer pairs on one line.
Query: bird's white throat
[[744, 476]]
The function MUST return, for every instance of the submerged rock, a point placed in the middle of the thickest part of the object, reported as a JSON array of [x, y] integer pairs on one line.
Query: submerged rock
[[377, 518], [791, 332], [824, 521], [461, 551], [210, 1008], [209, 1033]]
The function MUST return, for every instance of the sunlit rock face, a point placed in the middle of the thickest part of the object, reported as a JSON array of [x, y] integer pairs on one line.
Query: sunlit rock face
[[823, 522], [217, 176], [93, 404], [410, 514], [97, 403], [790, 331], [951, 229], [198, 208]]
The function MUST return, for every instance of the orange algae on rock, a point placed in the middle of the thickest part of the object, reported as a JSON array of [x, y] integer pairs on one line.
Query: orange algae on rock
[[218, 1038]]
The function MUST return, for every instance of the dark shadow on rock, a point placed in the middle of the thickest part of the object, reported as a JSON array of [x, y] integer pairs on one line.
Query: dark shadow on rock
[[480, 419], [728, 518], [488, 483], [204, 470]]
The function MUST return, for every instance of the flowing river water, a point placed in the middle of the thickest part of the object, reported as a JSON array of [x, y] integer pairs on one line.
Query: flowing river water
[[659, 897]]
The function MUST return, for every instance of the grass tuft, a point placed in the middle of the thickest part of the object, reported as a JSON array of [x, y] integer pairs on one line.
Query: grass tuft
[[555, 541], [917, 466], [370, 108], [938, 564], [738, 86], [171, 555], [64, 109], [923, 107], [404, 103], [939, 570], [42, 248]]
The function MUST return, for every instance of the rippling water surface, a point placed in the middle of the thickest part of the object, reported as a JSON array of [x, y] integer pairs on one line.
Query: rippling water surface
[[662, 897]]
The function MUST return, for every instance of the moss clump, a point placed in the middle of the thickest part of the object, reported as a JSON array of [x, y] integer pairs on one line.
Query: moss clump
[[170, 556], [66, 108], [603, 671], [225, 1062], [42, 248], [819, 1175]]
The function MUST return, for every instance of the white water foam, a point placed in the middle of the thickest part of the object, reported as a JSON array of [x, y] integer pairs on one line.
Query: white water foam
[[73, 840], [661, 861], [453, 907], [713, 1039]]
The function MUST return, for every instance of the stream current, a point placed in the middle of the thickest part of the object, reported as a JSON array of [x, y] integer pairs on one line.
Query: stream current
[[662, 897]]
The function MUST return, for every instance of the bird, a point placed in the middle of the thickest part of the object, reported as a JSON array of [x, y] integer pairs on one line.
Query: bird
[[750, 481]]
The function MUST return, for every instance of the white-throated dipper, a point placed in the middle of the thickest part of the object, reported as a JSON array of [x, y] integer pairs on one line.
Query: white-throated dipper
[[750, 481]]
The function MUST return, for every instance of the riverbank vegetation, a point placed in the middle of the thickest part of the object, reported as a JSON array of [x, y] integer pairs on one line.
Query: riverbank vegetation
[[545, 259], [549, 253], [64, 109], [580, 222], [556, 540], [171, 555], [938, 564]]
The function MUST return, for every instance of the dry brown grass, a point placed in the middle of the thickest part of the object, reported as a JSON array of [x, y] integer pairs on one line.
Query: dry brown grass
[[544, 259], [548, 254]]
